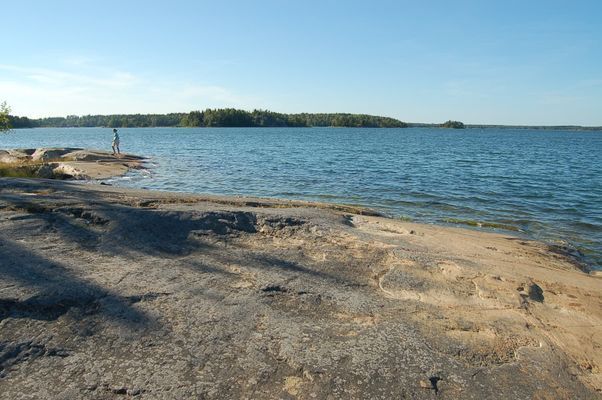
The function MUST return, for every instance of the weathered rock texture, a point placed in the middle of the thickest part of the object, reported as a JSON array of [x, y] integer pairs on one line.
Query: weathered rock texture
[[70, 163], [109, 293]]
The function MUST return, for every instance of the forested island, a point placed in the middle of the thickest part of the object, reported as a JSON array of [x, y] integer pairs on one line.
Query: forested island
[[226, 117], [231, 117], [453, 125]]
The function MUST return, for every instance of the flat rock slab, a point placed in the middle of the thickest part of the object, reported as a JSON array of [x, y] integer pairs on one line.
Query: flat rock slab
[[72, 163], [110, 293]]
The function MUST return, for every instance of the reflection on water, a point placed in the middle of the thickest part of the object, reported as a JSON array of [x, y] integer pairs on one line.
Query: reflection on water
[[547, 184]]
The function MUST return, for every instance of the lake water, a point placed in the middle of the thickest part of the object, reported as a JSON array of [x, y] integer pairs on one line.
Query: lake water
[[546, 185]]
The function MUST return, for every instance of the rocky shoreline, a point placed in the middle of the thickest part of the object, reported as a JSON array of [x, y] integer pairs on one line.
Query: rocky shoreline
[[66, 163], [113, 293]]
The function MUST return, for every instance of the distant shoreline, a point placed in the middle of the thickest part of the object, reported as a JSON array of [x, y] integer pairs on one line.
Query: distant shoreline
[[525, 127], [235, 118], [420, 126]]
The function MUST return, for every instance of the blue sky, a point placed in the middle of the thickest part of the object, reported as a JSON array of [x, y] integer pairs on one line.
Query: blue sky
[[511, 62]]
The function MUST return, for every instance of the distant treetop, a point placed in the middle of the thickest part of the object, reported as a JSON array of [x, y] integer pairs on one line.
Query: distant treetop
[[453, 125]]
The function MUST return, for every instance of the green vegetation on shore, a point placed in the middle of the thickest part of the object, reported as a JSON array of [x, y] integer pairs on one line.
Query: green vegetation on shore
[[453, 125], [5, 119], [231, 117], [227, 117], [18, 171]]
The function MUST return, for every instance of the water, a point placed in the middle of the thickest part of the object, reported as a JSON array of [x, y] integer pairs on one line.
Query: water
[[545, 184]]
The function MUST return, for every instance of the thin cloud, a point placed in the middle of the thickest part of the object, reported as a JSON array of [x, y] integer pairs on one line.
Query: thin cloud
[[56, 77], [38, 92]]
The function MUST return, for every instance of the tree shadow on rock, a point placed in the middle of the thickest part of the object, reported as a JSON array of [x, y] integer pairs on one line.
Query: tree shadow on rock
[[52, 291]]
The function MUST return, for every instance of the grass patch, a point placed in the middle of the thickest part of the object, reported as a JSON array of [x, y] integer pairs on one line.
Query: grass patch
[[18, 171], [30, 169]]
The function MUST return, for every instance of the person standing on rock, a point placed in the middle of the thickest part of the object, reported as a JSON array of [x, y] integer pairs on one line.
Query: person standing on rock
[[115, 144]]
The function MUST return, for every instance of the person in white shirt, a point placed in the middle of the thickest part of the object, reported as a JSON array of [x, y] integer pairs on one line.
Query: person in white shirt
[[115, 144]]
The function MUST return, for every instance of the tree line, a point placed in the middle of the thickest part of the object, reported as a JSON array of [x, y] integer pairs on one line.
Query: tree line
[[224, 117], [88, 121]]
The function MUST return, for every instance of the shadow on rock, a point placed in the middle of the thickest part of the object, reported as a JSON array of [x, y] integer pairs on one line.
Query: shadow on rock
[[58, 291]]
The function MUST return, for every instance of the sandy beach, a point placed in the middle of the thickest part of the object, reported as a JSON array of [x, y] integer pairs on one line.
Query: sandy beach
[[108, 293]]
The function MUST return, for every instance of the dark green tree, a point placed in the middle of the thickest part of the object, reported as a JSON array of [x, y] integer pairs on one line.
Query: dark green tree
[[5, 124], [453, 124], [192, 119]]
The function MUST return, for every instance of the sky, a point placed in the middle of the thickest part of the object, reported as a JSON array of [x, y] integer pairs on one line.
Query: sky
[[496, 62]]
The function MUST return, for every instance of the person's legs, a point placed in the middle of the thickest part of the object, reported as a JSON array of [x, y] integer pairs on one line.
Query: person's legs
[[113, 146], [118, 151]]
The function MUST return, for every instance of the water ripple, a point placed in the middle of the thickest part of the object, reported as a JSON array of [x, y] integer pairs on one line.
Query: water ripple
[[547, 184]]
